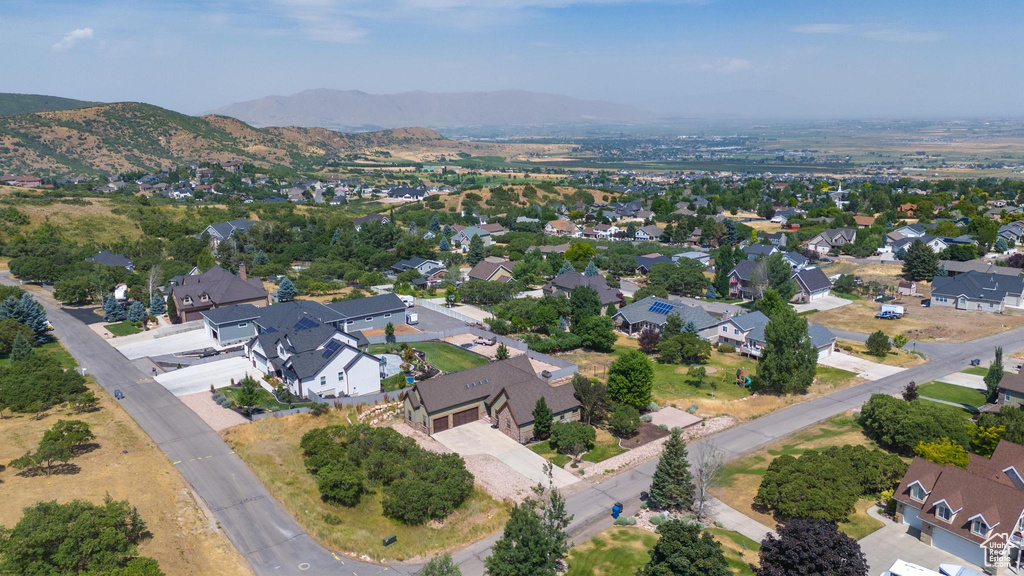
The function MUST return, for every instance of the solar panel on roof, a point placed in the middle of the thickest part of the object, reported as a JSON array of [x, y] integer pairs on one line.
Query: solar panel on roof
[[305, 324], [331, 348], [270, 330], [661, 308]]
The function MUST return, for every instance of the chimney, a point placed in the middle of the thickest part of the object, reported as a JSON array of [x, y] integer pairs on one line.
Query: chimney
[[546, 375], [241, 272]]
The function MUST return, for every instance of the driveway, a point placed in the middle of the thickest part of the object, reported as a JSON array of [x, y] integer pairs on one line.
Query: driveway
[[133, 347], [894, 542], [821, 304], [866, 369], [965, 380], [199, 378], [479, 438], [85, 315], [433, 321]]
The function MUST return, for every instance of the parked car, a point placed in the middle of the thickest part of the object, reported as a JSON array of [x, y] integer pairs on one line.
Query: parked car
[[118, 394], [888, 316]]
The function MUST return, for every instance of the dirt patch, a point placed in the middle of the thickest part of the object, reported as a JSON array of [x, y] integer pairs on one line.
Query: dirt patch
[[646, 433], [399, 329], [215, 415]]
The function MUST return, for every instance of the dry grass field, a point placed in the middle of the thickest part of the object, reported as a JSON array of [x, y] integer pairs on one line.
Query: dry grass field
[[126, 466], [900, 358], [271, 448], [920, 323]]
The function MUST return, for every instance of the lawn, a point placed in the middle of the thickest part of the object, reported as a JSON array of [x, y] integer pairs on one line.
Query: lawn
[[127, 465], [544, 449], [443, 356], [266, 399], [976, 371], [605, 447], [396, 382], [271, 448], [619, 551], [124, 328], [741, 479], [952, 393]]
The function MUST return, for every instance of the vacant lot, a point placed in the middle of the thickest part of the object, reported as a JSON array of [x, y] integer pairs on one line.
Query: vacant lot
[[126, 466], [619, 551], [895, 357], [952, 393], [271, 448], [444, 357], [742, 478]]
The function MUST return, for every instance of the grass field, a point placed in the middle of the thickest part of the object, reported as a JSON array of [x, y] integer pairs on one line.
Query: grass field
[[271, 448], [952, 393], [266, 399], [895, 357], [741, 479], [620, 551], [126, 466], [444, 357], [124, 328], [605, 447]]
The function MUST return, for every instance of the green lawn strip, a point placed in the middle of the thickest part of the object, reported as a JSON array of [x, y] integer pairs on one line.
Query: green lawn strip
[[860, 524], [444, 357], [544, 449], [124, 328], [975, 370], [396, 382], [846, 296], [734, 545], [952, 393], [614, 552], [833, 376], [604, 450], [266, 399], [966, 411], [57, 354]]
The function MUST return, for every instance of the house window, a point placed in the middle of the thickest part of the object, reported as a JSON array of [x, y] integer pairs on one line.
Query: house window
[[347, 322], [187, 300], [508, 425], [979, 527], [725, 329], [370, 319], [341, 376], [1006, 397], [735, 331], [944, 513], [204, 298], [388, 315], [243, 324], [323, 380], [917, 493]]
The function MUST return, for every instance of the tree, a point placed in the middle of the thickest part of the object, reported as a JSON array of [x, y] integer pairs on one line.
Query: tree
[[584, 303], [943, 451], [476, 250], [10, 330], [21, 348], [136, 312], [591, 270], [770, 303], [984, 439], [524, 547], [74, 538], [910, 392], [899, 341], [389, 333], [205, 260], [683, 550], [248, 394], [74, 290], [572, 438], [542, 419], [157, 305], [112, 310], [579, 253], [286, 291], [61, 443], [610, 310], [593, 397], [920, 262], [709, 462], [994, 376], [172, 310], [440, 565], [878, 344], [672, 486], [445, 245], [261, 258], [789, 360], [596, 333], [630, 379], [341, 482], [502, 352], [899, 426], [811, 547], [435, 224], [566, 267], [698, 373], [624, 421], [648, 340]]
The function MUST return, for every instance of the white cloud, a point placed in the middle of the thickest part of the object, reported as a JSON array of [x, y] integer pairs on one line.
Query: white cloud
[[870, 31], [820, 28], [323, 20], [727, 65], [68, 42]]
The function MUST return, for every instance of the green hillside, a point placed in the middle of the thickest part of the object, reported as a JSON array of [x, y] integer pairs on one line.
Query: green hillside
[[13, 104]]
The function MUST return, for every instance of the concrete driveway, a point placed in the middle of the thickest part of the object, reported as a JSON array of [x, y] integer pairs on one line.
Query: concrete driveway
[[821, 304], [895, 542], [965, 380], [134, 347], [199, 378], [864, 368], [479, 438]]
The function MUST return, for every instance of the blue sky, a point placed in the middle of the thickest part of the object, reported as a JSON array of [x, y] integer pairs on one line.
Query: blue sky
[[753, 58]]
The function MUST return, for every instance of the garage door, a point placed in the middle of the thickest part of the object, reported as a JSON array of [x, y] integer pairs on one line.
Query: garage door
[[465, 417], [912, 517], [958, 546], [440, 424]]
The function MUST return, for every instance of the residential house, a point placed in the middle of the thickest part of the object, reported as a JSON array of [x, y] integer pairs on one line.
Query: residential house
[[812, 284], [907, 288], [216, 288], [545, 250], [371, 313], [431, 271], [746, 333], [562, 227], [407, 193], [601, 231], [907, 209], [224, 230], [832, 238], [783, 216], [647, 261], [759, 251], [502, 393], [112, 260], [777, 239], [564, 283], [1014, 231], [494, 228], [702, 257], [740, 279], [954, 267], [936, 243], [650, 233], [864, 221], [977, 291], [492, 271], [464, 235], [1011, 392], [370, 218], [911, 231], [970, 512], [653, 312], [796, 260]]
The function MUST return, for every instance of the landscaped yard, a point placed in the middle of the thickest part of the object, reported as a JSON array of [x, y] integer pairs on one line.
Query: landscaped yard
[[952, 393], [271, 448], [895, 357], [741, 479], [124, 328], [976, 370], [266, 399], [444, 357], [619, 551], [605, 447], [544, 449]]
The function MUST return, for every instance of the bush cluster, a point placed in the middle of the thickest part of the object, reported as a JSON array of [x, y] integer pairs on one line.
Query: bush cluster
[[900, 426], [37, 383]]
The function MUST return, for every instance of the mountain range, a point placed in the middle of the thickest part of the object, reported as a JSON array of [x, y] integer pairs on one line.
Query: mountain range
[[357, 110], [12, 104]]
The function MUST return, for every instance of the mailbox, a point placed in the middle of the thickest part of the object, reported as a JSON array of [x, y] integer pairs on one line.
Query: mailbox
[[390, 540]]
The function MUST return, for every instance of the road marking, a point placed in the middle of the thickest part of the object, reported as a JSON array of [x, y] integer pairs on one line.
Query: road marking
[[176, 463]]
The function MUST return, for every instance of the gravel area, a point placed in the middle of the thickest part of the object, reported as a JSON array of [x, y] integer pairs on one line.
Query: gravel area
[[218, 417], [652, 449]]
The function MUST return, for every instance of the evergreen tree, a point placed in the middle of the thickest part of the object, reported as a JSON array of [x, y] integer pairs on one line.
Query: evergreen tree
[[611, 310], [445, 245], [172, 309], [566, 267], [524, 548], [994, 376], [21, 348], [920, 263], [435, 224], [542, 419], [261, 258], [25, 310], [157, 306], [672, 486], [789, 360], [136, 312], [205, 260], [683, 550], [591, 270], [286, 291], [112, 310], [476, 251], [501, 353]]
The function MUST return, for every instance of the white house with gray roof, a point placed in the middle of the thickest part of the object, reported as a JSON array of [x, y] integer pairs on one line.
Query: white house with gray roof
[[653, 312], [746, 333], [812, 284], [224, 230], [978, 291]]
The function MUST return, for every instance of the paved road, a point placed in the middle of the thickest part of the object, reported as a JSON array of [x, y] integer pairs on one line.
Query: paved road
[[272, 541]]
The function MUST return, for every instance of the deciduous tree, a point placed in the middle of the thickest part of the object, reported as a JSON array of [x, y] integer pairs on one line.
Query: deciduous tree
[[810, 547], [683, 550], [789, 360], [630, 379]]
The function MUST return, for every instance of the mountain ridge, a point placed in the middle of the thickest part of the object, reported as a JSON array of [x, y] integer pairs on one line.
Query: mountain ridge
[[356, 109], [13, 104]]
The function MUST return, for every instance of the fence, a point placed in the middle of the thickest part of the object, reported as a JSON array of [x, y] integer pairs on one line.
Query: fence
[[446, 311]]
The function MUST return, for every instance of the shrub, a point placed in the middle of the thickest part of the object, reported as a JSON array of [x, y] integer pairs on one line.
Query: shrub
[[900, 426], [332, 519], [623, 521], [319, 409], [624, 420], [653, 407], [647, 417], [878, 344], [692, 408], [726, 348], [572, 438]]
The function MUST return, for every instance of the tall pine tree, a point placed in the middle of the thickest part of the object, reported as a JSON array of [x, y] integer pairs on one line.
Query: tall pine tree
[[591, 270], [157, 306], [286, 291], [672, 486], [524, 548], [994, 376], [112, 310]]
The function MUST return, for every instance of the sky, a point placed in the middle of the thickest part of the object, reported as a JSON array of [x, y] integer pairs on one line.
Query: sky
[[688, 58]]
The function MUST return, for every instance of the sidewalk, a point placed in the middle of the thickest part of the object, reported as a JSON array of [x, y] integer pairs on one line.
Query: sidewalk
[[732, 519]]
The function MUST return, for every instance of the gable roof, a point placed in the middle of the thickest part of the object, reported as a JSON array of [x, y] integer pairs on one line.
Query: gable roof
[[1014, 383], [110, 259], [812, 279], [755, 250], [744, 268], [796, 258], [369, 306], [226, 229], [450, 390], [977, 286], [651, 230], [485, 269], [656, 311], [648, 261], [569, 281], [234, 313], [371, 218], [221, 286]]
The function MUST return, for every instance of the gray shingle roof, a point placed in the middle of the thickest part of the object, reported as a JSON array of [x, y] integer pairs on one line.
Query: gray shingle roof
[[796, 258], [819, 335], [744, 268], [221, 286], [234, 313], [225, 229], [370, 306], [110, 259], [444, 392], [812, 279], [641, 312], [977, 286], [647, 262], [566, 282], [755, 250]]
